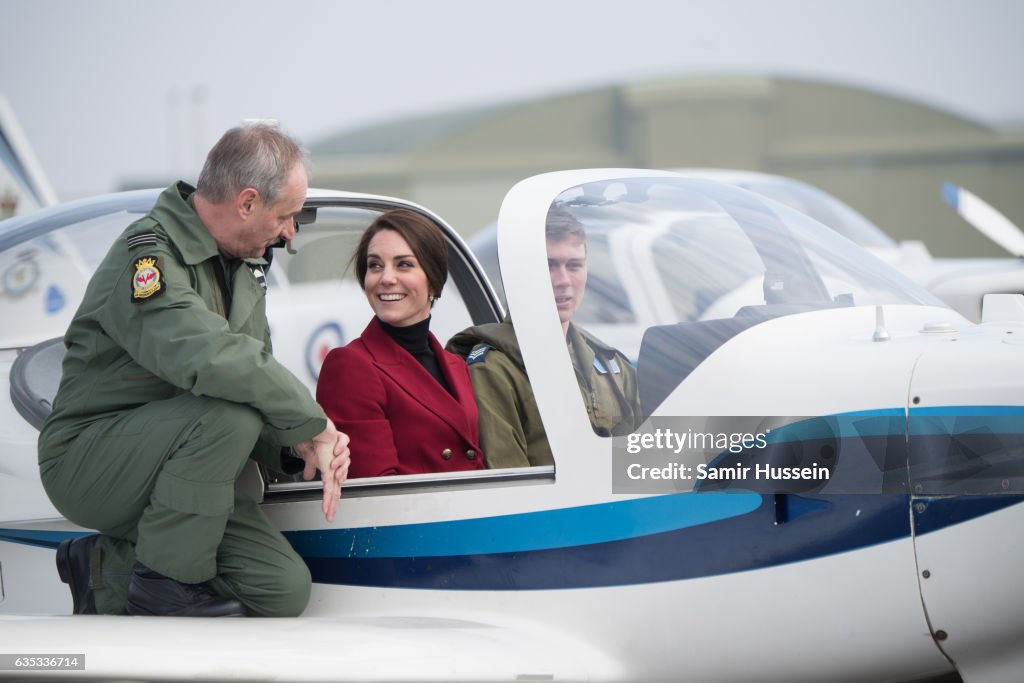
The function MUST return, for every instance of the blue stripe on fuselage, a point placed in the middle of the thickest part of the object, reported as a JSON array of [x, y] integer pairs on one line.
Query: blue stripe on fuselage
[[756, 540], [827, 525], [542, 530], [660, 538], [40, 539], [739, 543]]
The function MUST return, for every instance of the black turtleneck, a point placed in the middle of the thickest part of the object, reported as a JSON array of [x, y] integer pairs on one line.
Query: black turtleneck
[[414, 339]]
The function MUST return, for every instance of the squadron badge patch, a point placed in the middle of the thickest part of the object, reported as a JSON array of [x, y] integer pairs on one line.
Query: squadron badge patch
[[147, 282]]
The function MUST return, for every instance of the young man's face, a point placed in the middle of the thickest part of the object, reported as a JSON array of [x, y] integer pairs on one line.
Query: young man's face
[[567, 265]]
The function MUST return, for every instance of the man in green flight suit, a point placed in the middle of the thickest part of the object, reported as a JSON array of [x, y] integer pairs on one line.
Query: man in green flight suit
[[511, 432], [169, 387]]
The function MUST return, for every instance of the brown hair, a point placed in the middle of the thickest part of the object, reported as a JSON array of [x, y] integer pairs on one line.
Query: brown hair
[[561, 225], [423, 237]]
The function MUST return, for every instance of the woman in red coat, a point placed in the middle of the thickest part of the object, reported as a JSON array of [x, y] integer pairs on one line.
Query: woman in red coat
[[406, 404]]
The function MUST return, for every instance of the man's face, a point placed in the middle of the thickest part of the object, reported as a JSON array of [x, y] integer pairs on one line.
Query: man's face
[[266, 225], [567, 265]]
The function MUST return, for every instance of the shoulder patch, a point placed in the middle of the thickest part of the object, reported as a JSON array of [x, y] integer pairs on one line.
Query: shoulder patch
[[142, 239], [147, 280], [478, 353]]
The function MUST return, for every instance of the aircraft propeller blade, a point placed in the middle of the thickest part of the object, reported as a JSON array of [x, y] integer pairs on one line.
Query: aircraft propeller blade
[[987, 220]]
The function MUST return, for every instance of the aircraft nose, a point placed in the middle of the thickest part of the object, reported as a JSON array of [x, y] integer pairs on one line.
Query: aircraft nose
[[966, 417]]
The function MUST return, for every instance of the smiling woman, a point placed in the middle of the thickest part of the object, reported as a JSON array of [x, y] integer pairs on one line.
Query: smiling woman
[[405, 402], [402, 263]]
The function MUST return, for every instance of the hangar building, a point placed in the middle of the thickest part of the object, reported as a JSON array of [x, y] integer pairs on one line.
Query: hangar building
[[884, 155]]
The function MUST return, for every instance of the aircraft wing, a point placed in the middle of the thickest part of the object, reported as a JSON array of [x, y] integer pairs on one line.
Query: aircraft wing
[[305, 649]]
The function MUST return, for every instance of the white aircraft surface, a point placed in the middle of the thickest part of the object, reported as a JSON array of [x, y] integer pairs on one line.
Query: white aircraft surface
[[883, 543]]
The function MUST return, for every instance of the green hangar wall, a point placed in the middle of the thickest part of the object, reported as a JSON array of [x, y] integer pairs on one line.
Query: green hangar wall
[[884, 155]]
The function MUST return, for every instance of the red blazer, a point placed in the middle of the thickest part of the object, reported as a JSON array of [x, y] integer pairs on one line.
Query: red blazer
[[399, 418]]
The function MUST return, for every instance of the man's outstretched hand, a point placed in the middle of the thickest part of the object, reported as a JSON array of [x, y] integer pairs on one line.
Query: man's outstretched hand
[[327, 452]]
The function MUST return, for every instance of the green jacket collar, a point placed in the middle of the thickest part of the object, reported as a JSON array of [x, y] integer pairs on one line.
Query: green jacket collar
[[181, 222], [578, 334], [500, 336], [581, 352]]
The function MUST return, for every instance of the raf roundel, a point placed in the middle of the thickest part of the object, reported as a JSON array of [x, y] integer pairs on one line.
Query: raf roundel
[[147, 281]]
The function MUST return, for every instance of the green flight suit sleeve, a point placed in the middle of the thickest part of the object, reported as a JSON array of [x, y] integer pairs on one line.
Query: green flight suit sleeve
[[511, 433], [174, 335]]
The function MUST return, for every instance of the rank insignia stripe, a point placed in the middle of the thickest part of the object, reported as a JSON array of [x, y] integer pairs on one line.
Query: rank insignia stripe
[[478, 354], [142, 239]]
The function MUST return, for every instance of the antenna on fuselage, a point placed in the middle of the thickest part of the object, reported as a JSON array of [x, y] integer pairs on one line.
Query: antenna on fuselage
[[881, 334]]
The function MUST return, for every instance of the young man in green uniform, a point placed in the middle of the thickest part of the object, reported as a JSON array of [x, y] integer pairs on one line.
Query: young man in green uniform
[[169, 387], [511, 432]]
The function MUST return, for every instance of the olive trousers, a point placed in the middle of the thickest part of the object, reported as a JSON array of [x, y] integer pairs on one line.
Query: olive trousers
[[158, 482]]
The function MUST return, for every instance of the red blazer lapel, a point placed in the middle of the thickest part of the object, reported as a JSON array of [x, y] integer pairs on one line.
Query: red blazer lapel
[[457, 375], [398, 364]]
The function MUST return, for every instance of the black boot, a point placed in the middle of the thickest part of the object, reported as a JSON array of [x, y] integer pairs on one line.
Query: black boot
[[73, 557], [151, 593]]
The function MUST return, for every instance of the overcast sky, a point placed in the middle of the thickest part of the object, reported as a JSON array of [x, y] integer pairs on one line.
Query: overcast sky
[[114, 89]]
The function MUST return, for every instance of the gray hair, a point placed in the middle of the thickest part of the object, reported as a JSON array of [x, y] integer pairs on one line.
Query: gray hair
[[256, 155]]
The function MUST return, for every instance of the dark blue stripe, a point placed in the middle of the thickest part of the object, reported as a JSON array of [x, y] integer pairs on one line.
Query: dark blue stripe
[[892, 421], [958, 450], [855, 424], [782, 529], [966, 421], [684, 536], [751, 541], [935, 514]]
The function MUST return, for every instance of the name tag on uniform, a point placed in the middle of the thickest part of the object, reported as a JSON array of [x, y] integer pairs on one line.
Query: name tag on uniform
[[612, 365]]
